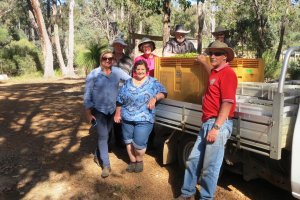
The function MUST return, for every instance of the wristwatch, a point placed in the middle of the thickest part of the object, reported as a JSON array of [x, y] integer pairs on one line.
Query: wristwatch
[[216, 126]]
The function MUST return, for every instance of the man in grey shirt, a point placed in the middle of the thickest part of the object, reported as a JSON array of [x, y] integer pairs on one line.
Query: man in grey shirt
[[179, 44]]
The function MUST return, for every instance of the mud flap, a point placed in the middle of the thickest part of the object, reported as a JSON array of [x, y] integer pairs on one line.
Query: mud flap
[[170, 148]]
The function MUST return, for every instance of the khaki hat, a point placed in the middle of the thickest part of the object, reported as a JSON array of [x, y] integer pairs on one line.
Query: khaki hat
[[221, 46], [220, 29], [144, 41]]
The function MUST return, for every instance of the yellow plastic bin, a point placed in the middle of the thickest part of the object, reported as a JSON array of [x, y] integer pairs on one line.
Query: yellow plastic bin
[[248, 70], [184, 78]]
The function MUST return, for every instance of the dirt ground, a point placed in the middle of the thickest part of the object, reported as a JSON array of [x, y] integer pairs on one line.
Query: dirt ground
[[46, 153]]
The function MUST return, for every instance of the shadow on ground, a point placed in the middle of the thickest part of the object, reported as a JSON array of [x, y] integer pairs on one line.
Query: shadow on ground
[[40, 125]]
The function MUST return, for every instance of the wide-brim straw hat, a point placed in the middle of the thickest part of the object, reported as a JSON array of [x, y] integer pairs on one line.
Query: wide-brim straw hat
[[144, 41], [218, 46], [119, 41], [220, 29]]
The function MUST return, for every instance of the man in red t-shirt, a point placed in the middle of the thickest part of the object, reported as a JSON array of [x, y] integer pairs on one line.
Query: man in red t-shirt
[[218, 108]]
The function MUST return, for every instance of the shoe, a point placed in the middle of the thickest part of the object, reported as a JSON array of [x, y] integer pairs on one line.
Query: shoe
[[131, 167], [139, 167], [183, 198], [105, 172]]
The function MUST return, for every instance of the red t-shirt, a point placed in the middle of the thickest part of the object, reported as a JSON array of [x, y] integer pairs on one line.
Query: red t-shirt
[[222, 84]]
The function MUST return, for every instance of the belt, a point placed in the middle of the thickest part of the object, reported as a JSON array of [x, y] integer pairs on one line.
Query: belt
[[228, 118]]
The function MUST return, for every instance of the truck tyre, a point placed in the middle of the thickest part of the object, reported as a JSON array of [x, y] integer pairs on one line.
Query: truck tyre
[[185, 147]]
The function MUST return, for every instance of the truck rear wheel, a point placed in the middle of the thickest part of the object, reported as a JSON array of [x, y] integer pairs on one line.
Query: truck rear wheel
[[185, 147]]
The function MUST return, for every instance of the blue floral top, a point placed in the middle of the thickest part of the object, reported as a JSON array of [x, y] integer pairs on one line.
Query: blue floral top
[[134, 100]]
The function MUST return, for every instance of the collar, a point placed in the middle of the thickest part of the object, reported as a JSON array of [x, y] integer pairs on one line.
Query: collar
[[221, 67]]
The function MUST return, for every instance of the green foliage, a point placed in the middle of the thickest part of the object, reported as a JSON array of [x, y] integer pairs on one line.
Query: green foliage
[[20, 57], [5, 38], [17, 34], [7, 66], [88, 59], [186, 55], [272, 67], [58, 73], [294, 70], [180, 16]]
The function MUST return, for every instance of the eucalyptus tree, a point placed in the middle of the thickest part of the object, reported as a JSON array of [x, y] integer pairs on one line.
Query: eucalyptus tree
[[45, 40], [70, 71]]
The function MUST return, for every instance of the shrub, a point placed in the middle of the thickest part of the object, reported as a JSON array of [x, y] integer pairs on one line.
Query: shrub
[[294, 70], [25, 58], [88, 59], [7, 66], [272, 67], [5, 38]]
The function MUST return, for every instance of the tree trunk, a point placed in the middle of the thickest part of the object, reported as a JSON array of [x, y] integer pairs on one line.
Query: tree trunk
[[201, 14], [45, 41], [71, 72], [33, 26], [283, 25], [131, 32], [59, 55], [122, 13], [260, 21], [166, 21], [282, 31]]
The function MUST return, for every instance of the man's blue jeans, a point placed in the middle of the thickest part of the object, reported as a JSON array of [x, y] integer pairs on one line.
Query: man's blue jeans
[[207, 157]]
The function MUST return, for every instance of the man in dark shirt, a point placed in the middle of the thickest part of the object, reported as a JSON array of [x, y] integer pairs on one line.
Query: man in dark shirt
[[179, 44], [221, 34]]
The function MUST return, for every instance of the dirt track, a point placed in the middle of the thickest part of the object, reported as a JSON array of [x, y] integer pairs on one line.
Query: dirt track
[[46, 153]]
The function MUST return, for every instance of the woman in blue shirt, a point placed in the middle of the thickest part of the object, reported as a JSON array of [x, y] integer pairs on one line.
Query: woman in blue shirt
[[101, 91], [136, 108]]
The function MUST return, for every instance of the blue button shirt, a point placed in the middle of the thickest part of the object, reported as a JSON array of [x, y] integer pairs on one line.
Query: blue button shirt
[[134, 100], [101, 90]]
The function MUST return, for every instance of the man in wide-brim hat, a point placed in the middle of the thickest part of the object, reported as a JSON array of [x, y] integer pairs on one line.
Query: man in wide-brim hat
[[220, 30], [222, 35], [218, 46], [179, 44], [218, 107]]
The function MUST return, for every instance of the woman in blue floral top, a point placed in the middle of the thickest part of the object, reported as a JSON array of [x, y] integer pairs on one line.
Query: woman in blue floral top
[[136, 108]]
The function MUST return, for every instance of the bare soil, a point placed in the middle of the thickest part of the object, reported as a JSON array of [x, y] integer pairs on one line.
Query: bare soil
[[47, 153]]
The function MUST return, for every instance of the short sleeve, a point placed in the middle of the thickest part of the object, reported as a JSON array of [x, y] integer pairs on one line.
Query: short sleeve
[[228, 86]]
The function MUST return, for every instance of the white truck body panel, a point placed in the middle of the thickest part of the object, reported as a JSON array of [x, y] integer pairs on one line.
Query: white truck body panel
[[295, 169]]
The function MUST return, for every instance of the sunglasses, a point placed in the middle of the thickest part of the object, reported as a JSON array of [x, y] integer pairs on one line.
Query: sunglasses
[[107, 58], [216, 53]]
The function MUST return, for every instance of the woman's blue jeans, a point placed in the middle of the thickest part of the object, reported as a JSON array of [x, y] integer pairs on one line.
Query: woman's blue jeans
[[104, 126], [207, 157]]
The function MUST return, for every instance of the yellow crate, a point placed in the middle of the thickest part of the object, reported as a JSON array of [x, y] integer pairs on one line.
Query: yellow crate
[[186, 80], [248, 70]]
